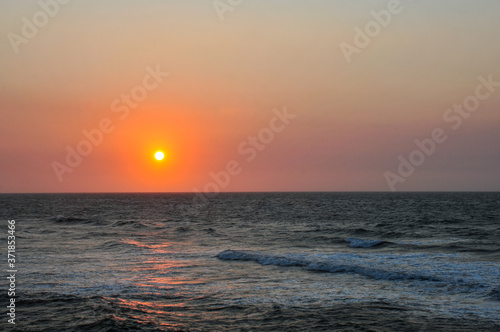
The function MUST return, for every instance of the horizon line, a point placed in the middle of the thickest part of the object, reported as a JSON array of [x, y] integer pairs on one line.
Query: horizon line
[[251, 192]]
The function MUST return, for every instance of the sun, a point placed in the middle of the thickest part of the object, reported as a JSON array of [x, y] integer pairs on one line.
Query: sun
[[159, 155]]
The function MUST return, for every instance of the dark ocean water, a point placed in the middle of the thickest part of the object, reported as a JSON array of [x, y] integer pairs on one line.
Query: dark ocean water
[[270, 261]]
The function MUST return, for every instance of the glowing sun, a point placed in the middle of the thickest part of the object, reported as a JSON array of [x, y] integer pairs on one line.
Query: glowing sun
[[159, 155]]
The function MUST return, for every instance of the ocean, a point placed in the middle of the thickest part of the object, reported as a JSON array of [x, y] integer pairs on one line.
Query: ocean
[[253, 262]]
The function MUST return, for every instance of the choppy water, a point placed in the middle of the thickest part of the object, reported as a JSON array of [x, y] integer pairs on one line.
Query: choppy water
[[274, 261]]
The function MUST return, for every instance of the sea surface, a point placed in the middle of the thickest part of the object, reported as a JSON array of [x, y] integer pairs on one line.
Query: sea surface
[[254, 262]]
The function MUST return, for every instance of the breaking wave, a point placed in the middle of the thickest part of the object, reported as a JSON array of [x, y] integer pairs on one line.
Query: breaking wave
[[461, 277]]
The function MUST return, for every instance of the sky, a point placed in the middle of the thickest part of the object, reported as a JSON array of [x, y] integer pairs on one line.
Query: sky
[[249, 95]]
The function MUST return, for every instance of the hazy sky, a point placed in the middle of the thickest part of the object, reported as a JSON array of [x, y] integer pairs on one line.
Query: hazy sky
[[352, 115]]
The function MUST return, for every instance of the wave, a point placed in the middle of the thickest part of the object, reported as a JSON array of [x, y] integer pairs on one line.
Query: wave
[[364, 243], [182, 229], [495, 293], [443, 269], [60, 218], [78, 313], [326, 265], [111, 223], [454, 244], [72, 220]]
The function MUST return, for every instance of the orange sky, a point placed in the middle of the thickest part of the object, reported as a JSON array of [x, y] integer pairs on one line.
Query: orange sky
[[226, 76]]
